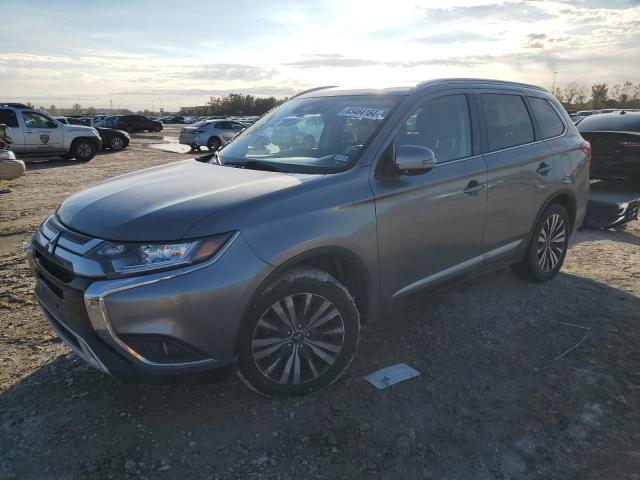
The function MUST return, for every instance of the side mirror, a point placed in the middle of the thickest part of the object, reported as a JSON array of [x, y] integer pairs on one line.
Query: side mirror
[[414, 159]]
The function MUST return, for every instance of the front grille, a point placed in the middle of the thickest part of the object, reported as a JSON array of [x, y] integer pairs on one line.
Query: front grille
[[58, 267], [67, 234]]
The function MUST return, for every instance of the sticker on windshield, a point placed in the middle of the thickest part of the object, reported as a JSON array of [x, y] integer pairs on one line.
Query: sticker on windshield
[[362, 112]]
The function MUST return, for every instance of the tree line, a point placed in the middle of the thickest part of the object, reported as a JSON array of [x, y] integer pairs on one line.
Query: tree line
[[601, 95], [234, 104]]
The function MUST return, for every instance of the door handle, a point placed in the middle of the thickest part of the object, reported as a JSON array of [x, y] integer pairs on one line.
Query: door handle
[[544, 168], [473, 188]]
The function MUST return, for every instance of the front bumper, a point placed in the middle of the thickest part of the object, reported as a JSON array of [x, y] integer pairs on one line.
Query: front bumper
[[122, 326]]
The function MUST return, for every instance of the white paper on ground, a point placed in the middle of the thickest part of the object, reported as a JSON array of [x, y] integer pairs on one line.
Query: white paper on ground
[[391, 375]]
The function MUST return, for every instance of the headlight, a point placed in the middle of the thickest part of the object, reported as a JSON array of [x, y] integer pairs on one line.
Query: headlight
[[126, 258]]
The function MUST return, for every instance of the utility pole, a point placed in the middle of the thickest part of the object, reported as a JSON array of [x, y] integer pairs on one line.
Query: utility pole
[[554, 81]]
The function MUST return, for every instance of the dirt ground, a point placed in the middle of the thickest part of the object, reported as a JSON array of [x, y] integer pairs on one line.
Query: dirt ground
[[500, 395]]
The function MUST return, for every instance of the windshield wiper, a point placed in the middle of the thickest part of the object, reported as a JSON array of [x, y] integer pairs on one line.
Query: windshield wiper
[[255, 165]]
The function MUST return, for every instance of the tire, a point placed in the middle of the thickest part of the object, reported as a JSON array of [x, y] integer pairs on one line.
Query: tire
[[83, 150], [157, 129], [214, 144], [544, 258], [280, 358], [116, 144]]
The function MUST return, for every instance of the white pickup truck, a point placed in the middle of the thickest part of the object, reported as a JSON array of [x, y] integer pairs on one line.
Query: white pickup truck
[[33, 132]]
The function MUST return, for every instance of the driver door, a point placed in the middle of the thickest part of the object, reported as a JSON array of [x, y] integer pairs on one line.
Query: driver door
[[430, 225], [41, 133]]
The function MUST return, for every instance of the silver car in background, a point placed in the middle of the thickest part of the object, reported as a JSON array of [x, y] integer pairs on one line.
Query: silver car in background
[[212, 134]]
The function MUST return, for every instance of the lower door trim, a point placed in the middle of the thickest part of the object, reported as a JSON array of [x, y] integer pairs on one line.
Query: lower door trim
[[458, 268]]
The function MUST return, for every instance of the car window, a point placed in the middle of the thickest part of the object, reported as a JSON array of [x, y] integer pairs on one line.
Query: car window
[[8, 117], [443, 125], [37, 120], [507, 120], [548, 119]]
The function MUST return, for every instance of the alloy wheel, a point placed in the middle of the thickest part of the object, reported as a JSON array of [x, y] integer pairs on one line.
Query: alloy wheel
[[116, 143], [297, 339], [551, 243]]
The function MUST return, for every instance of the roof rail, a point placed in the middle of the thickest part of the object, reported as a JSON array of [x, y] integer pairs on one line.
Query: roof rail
[[313, 90], [487, 81], [14, 105]]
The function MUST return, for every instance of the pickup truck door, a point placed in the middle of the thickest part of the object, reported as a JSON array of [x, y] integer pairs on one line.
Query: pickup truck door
[[10, 119], [41, 133]]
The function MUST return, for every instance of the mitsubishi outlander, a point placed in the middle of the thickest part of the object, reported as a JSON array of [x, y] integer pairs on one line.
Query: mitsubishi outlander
[[330, 209]]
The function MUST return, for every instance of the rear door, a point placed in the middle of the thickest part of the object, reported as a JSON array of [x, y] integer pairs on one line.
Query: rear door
[[41, 133], [14, 130], [226, 131], [520, 169], [430, 225]]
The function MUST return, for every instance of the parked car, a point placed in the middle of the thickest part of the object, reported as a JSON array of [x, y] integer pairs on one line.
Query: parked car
[[576, 119], [175, 119], [10, 167], [271, 257], [113, 139], [587, 113], [137, 123], [35, 133], [212, 134], [615, 140]]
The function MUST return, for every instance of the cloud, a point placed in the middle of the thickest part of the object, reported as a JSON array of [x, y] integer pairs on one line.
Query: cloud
[[457, 37], [330, 60], [522, 11], [226, 71]]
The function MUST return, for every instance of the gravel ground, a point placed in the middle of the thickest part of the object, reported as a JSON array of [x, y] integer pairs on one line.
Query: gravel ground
[[501, 394]]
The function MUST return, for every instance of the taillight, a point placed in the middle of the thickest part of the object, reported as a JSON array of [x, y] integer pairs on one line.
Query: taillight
[[586, 148]]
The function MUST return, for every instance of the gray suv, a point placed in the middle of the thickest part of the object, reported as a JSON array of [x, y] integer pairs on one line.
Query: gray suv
[[315, 220]]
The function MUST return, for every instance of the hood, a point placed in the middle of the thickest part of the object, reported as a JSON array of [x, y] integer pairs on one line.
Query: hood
[[162, 203], [88, 131]]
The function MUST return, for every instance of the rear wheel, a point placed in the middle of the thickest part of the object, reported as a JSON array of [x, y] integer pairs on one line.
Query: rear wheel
[[548, 246], [214, 144], [83, 150], [301, 335], [116, 143]]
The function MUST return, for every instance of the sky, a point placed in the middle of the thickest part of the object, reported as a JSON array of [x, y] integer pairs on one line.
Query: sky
[[144, 54]]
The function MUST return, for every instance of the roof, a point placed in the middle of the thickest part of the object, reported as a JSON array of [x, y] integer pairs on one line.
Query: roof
[[15, 105], [333, 90]]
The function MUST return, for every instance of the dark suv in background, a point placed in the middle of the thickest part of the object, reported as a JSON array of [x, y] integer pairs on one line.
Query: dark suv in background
[[137, 123], [321, 216], [615, 140]]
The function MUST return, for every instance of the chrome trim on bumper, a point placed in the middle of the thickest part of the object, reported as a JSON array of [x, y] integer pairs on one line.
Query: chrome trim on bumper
[[85, 352], [94, 299]]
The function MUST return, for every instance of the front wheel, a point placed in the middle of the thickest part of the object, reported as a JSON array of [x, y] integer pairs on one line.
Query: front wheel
[[548, 246], [83, 150], [301, 335], [116, 144]]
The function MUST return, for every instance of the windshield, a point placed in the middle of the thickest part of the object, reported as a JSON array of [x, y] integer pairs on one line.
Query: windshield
[[201, 123], [322, 135]]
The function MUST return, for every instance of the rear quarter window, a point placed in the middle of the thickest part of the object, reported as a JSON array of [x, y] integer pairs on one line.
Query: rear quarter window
[[548, 119], [507, 120]]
